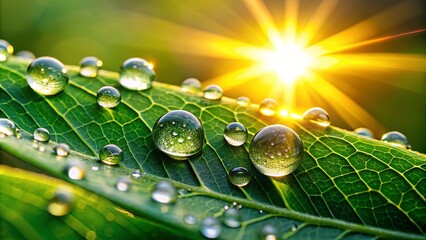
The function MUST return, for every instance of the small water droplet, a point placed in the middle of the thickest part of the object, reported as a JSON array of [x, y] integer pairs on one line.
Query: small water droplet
[[5, 50], [232, 218], [283, 138], [62, 149], [89, 67], [239, 176], [268, 232], [364, 132], [234, 204], [210, 227], [111, 154], [7, 127], [235, 134], [61, 203], [47, 76], [189, 219], [41, 135], [269, 107], [137, 173], [164, 192], [293, 227], [191, 85], [317, 115], [165, 140], [260, 211], [396, 139], [26, 55], [76, 169], [41, 149], [226, 207], [108, 97], [123, 183], [95, 168], [136, 74], [243, 101], [213, 92]]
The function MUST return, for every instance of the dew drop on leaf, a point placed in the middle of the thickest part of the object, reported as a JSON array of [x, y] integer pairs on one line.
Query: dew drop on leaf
[[239, 176], [111, 154], [243, 101], [47, 76], [268, 232], [213, 92], [136, 74], [108, 97], [95, 168], [189, 219], [76, 169], [7, 127], [364, 132], [5, 50], [61, 149], [191, 85], [136, 173], [89, 67], [317, 115], [123, 183], [396, 139], [25, 54], [210, 227], [293, 227], [164, 192], [276, 150], [268, 107], [61, 203], [178, 134], [41, 135], [232, 218], [235, 134]]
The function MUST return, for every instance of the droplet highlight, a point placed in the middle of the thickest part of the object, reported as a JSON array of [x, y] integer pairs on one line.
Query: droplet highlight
[[239, 176], [61, 149], [232, 218], [396, 139], [364, 132], [191, 85], [47, 76], [5, 50], [164, 192], [76, 169], [111, 154], [235, 134], [276, 150], [89, 67], [61, 203], [41, 135], [123, 183], [210, 227], [7, 127], [243, 101], [213, 92], [136, 74], [189, 219], [269, 107], [268, 232], [108, 97], [317, 115], [136, 173]]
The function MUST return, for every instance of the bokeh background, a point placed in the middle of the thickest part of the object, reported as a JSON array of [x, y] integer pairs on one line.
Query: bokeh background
[[163, 32]]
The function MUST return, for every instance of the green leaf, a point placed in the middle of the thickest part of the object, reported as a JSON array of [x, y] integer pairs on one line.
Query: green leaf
[[347, 186]]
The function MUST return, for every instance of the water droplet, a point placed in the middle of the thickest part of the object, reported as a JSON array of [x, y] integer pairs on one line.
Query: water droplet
[[89, 67], [95, 168], [164, 192], [137, 173], [123, 183], [136, 74], [47, 76], [76, 169], [243, 101], [396, 139], [172, 122], [210, 227], [235, 134], [226, 207], [62, 149], [364, 132], [60, 204], [213, 92], [283, 138], [239, 176], [108, 97], [26, 54], [5, 50], [7, 127], [189, 219], [41, 149], [232, 218], [293, 227], [111, 154], [268, 232], [41, 135], [318, 116], [269, 107], [260, 211], [191, 85]]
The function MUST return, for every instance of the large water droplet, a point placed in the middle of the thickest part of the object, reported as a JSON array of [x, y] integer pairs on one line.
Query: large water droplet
[[123, 183], [7, 127], [276, 150], [191, 85], [364, 132], [89, 66], [111, 154], [232, 218], [26, 54], [76, 169], [269, 107], [268, 232], [41, 135], [62, 149], [243, 101], [396, 139], [108, 97], [235, 134], [318, 116], [239, 176], [164, 192], [136, 74], [210, 227], [60, 204], [47, 76], [213, 92], [5, 50], [178, 134]]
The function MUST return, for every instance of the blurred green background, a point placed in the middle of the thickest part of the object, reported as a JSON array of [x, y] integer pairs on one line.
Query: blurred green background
[[162, 31]]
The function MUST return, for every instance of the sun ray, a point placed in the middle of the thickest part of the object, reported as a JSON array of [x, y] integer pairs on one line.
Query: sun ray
[[291, 15]]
